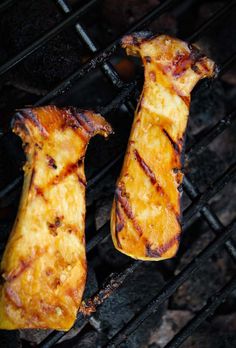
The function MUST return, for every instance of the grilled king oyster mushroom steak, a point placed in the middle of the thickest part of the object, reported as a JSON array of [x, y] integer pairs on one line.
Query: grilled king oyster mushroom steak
[[43, 270], [145, 219]]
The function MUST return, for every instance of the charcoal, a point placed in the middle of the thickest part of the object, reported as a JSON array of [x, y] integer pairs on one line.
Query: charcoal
[[86, 340], [208, 105], [171, 323], [10, 339], [121, 17], [103, 211], [91, 283], [112, 257], [121, 306], [203, 169], [195, 291], [34, 336], [218, 332], [51, 63]]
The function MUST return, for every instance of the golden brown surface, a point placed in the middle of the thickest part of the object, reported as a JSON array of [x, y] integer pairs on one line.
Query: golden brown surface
[[44, 265], [145, 220]]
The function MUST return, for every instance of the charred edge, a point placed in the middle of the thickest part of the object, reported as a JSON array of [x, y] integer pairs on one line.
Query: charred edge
[[54, 226], [135, 39], [172, 142], [185, 99], [51, 162], [28, 114], [195, 53], [18, 124], [148, 59], [88, 123], [122, 198], [83, 120], [159, 251], [81, 161], [82, 181], [183, 61], [119, 222], [145, 167]]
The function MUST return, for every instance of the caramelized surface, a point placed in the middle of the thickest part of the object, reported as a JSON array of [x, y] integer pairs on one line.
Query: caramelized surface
[[44, 265], [145, 220]]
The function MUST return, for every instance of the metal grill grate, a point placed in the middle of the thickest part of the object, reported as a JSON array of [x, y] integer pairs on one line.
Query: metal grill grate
[[200, 200]]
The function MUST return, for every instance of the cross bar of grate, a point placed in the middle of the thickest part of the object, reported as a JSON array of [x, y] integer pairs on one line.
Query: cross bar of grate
[[209, 216], [203, 314], [104, 228], [116, 280], [107, 68], [208, 23], [70, 20], [199, 146], [214, 188], [124, 94], [166, 291], [173, 285], [45, 38], [105, 54]]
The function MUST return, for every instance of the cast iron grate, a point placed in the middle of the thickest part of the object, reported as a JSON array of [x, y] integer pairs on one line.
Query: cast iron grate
[[126, 92]]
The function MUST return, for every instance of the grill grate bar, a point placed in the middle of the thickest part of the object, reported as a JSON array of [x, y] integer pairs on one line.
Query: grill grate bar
[[210, 217], [208, 23], [173, 285], [200, 204], [163, 295], [115, 281], [200, 145], [107, 68], [45, 38], [105, 54], [203, 314], [217, 186]]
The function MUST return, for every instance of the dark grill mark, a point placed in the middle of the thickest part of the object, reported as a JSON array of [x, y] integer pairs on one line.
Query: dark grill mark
[[54, 226], [147, 170], [28, 114], [119, 222], [152, 76], [82, 181], [145, 167], [148, 59], [66, 171], [173, 143], [23, 265], [159, 251], [185, 99], [121, 197], [39, 192], [13, 296], [32, 177], [51, 162]]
